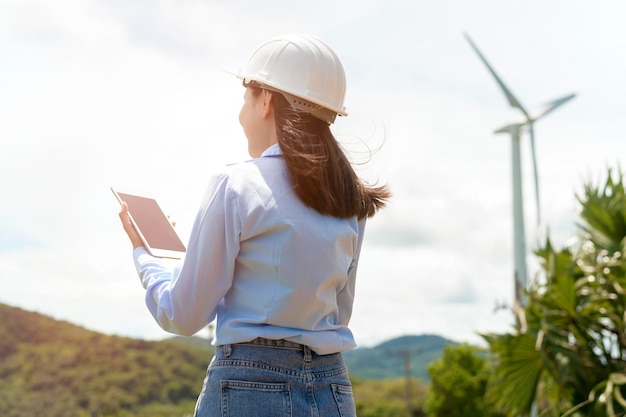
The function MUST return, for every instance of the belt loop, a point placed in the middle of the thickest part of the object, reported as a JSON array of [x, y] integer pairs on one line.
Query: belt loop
[[228, 349], [308, 357]]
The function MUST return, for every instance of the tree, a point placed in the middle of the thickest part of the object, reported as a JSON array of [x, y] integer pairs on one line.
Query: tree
[[569, 354], [458, 384]]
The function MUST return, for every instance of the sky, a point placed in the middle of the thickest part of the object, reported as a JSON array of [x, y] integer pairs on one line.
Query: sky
[[137, 95]]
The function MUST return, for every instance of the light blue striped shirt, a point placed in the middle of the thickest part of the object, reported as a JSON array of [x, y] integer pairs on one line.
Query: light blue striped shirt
[[261, 262]]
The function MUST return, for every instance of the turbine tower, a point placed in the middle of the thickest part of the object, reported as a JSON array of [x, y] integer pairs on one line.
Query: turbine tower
[[514, 129]]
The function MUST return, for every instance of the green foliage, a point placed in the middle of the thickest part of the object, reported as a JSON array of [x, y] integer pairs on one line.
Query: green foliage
[[570, 352], [458, 384], [604, 214], [53, 368], [388, 398], [520, 365]]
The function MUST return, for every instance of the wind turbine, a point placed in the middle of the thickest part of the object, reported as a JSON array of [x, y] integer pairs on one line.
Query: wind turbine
[[514, 129]]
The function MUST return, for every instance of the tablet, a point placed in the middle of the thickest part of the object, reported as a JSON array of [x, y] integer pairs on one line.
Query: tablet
[[154, 228]]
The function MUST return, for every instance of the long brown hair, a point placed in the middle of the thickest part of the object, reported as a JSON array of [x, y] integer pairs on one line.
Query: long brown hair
[[322, 176]]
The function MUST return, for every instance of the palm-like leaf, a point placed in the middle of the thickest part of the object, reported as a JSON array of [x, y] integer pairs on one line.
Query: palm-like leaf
[[520, 366], [604, 214]]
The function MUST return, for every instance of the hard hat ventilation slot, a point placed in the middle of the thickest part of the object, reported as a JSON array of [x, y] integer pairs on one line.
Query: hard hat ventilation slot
[[315, 109]]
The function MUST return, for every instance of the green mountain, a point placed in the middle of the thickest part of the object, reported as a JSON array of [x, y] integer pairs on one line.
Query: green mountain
[[54, 368], [388, 360]]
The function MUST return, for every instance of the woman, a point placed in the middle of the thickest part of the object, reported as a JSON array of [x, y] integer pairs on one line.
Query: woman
[[274, 249]]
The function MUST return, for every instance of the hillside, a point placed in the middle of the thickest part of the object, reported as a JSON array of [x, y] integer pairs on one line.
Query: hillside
[[54, 368], [386, 360]]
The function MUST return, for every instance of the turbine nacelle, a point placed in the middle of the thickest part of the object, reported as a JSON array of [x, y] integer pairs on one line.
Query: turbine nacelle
[[513, 129]]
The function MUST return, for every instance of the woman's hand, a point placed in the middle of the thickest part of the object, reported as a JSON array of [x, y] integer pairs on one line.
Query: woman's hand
[[135, 240]]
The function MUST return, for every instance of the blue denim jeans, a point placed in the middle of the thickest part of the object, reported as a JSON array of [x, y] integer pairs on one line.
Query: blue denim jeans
[[266, 378]]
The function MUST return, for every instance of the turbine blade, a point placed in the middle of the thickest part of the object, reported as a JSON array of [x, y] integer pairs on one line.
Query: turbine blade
[[552, 105], [509, 95], [534, 156]]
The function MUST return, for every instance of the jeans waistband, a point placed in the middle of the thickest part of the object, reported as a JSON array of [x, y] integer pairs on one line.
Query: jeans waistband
[[281, 343]]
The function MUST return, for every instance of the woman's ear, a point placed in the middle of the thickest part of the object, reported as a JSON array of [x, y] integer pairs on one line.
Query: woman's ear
[[268, 104]]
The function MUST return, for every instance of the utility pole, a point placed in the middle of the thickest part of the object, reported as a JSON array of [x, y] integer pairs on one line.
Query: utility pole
[[406, 364]]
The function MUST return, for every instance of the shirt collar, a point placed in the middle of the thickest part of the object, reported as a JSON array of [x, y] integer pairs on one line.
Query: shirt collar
[[273, 150]]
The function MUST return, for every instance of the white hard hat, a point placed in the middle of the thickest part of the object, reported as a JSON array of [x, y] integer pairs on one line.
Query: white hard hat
[[304, 69]]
